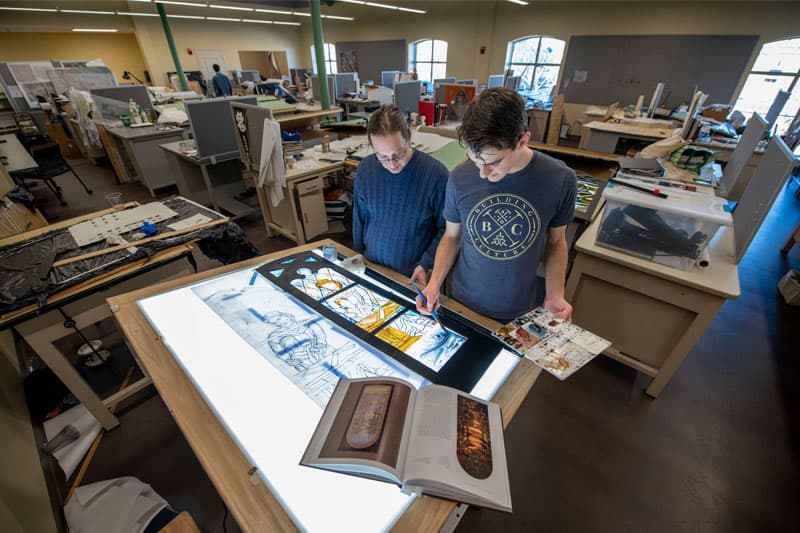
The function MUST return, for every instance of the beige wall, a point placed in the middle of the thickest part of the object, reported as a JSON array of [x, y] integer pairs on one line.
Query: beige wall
[[228, 37], [120, 51]]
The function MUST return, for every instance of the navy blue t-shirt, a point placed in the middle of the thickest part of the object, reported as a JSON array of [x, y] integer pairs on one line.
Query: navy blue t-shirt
[[504, 231], [397, 218]]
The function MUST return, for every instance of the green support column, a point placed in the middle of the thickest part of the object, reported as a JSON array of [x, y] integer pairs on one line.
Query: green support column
[[319, 52], [172, 49]]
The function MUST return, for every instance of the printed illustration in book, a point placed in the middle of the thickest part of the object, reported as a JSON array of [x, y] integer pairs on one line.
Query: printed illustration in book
[[436, 440], [556, 345]]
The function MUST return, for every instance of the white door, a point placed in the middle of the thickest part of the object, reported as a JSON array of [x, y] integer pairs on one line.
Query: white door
[[206, 59]]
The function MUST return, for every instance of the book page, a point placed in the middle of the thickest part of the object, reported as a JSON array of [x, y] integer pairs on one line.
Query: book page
[[457, 448], [363, 428]]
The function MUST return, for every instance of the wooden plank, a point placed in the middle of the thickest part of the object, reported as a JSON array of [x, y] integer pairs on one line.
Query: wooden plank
[[130, 268], [63, 224], [554, 128], [167, 235], [112, 151], [253, 506]]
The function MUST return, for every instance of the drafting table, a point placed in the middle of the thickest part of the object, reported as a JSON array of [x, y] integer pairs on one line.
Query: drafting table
[[15, 158], [252, 503], [613, 138], [85, 304], [611, 294], [306, 116], [208, 181], [278, 106], [140, 148], [301, 215]]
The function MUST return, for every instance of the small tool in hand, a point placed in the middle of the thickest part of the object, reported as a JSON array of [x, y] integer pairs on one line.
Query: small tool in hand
[[434, 314]]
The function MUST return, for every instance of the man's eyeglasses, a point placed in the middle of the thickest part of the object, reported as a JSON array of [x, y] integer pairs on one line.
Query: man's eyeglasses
[[394, 158]]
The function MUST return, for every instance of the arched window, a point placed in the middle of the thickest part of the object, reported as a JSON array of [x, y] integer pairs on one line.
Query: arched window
[[536, 59], [330, 58], [429, 57], [777, 67]]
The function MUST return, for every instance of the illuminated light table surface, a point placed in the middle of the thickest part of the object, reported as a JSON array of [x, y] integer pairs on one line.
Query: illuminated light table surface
[[250, 496]]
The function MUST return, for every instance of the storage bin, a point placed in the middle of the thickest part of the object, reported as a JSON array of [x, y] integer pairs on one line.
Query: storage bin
[[671, 231]]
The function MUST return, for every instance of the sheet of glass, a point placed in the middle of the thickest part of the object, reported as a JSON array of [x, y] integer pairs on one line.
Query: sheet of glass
[[422, 338], [361, 306], [321, 283], [302, 345], [268, 414]]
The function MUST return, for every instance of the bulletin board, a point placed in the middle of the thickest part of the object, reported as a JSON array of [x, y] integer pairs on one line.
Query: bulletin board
[[619, 68], [369, 58]]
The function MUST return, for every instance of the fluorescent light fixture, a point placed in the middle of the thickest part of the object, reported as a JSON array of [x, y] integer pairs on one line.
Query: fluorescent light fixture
[[408, 9], [336, 17], [259, 10], [190, 4], [87, 12], [360, 2], [224, 19], [257, 21], [133, 14], [40, 9], [195, 17], [143, 1], [287, 23], [519, 2], [300, 14], [96, 30], [235, 8], [376, 4]]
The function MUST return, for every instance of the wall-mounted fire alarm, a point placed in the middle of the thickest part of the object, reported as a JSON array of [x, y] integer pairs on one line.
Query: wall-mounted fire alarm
[[483, 50], [189, 51]]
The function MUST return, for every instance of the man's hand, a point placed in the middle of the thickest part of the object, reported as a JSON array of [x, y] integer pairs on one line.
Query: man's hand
[[559, 307], [419, 275], [431, 293]]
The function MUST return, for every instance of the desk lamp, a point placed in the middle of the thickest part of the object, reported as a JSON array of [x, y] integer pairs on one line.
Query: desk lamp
[[126, 75]]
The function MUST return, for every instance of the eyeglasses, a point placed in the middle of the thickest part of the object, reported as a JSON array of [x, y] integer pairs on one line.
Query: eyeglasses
[[479, 162], [394, 158]]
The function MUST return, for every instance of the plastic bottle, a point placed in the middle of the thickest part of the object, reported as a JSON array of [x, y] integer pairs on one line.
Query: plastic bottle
[[133, 109]]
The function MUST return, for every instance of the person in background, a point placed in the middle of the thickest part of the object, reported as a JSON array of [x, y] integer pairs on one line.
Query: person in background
[[398, 199], [221, 83], [506, 209]]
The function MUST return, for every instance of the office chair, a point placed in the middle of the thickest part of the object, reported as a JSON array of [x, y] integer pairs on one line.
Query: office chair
[[51, 164]]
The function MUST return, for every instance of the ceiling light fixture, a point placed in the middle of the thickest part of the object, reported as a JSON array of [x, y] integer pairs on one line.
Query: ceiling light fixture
[[385, 6], [259, 10], [257, 21], [96, 30], [224, 19], [235, 8], [195, 17], [408, 9], [519, 2], [40, 9], [359, 2], [287, 23], [335, 17], [133, 14], [87, 12], [300, 14], [190, 4]]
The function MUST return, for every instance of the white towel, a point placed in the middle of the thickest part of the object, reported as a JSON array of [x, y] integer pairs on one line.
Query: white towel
[[271, 172]]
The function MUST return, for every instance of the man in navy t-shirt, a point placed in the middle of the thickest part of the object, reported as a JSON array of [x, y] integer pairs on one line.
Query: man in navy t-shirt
[[398, 199], [505, 210]]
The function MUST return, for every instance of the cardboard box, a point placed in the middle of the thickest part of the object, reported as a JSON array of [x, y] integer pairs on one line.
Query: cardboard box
[[789, 285]]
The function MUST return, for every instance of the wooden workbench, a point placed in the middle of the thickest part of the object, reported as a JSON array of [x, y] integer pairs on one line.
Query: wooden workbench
[[251, 502]]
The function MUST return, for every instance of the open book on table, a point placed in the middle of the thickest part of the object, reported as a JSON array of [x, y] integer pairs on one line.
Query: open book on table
[[436, 440]]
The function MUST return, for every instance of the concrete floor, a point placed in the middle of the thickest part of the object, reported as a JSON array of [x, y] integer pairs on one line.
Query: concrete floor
[[716, 452]]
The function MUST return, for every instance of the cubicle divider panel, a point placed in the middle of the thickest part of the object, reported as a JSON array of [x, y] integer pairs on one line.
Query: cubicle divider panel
[[602, 69]]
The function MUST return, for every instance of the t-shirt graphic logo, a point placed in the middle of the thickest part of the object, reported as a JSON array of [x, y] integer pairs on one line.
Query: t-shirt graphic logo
[[503, 226]]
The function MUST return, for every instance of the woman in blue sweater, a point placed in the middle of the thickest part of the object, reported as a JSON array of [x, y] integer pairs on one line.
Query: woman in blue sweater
[[399, 197]]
